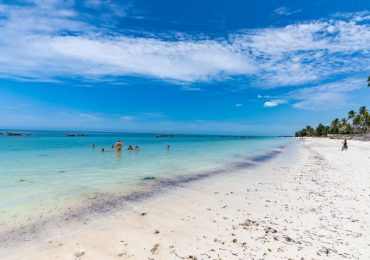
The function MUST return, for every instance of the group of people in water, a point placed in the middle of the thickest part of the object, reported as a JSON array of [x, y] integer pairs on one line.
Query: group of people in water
[[118, 146]]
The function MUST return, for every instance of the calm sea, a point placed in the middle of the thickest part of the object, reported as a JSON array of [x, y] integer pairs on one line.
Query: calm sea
[[47, 169]]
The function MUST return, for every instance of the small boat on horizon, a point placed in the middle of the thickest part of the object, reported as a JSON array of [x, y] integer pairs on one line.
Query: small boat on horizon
[[15, 134], [165, 135], [74, 134]]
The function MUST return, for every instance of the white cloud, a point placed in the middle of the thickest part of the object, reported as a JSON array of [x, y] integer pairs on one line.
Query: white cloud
[[239, 105], [93, 3], [90, 117], [108, 5], [146, 116], [128, 118], [274, 103], [154, 115], [310, 51], [325, 96], [34, 45], [285, 11]]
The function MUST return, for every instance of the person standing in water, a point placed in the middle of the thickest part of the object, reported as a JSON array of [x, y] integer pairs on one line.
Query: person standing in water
[[119, 145], [168, 147]]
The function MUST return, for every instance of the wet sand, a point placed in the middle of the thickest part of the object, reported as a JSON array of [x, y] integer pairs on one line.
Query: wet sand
[[310, 202]]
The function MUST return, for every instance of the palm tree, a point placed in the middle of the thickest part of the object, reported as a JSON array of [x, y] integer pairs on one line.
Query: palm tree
[[345, 127], [310, 131], [365, 118], [351, 114], [321, 130], [362, 111], [356, 122], [334, 126], [368, 81]]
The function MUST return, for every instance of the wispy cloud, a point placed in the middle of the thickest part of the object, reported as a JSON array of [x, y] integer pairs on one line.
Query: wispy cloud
[[319, 97], [238, 105], [311, 51], [128, 118], [50, 39], [274, 102], [143, 116], [285, 11], [325, 96], [89, 117]]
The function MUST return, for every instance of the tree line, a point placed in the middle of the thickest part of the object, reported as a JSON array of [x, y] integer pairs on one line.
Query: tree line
[[354, 123]]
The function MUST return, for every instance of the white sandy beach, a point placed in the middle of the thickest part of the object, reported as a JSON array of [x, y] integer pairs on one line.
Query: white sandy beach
[[311, 203]]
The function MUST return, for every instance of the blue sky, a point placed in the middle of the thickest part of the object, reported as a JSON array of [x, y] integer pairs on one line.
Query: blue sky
[[230, 67]]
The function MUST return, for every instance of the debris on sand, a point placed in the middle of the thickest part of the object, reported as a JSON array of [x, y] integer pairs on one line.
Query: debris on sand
[[248, 223], [79, 254], [154, 248]]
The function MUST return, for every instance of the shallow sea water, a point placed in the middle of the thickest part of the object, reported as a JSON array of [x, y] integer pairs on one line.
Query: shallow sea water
[[47, 169]]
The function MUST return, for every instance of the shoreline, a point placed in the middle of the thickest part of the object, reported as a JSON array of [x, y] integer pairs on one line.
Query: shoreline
[[310, 202], [96, 205], [355, 137]]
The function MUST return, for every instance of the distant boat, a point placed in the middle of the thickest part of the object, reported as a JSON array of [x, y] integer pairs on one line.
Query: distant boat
[[73, 134], [161, 136], [16, 134]]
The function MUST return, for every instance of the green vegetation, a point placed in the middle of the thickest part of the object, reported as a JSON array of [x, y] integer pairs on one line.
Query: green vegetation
[[354, 123]]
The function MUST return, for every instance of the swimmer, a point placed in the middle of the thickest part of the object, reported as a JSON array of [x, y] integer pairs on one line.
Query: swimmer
[[168, 147], [93, 146], [137, 149], [130, 148], [119, 145], [102, 150]]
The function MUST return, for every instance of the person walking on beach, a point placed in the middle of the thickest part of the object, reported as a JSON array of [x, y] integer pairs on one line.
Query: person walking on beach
[[119, 145], [345, 146]]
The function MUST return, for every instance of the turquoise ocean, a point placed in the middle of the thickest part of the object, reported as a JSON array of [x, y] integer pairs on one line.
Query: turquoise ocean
[[47, 168]]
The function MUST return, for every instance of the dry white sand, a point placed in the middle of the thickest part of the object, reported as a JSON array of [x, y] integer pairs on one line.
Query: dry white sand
[[311, 203]]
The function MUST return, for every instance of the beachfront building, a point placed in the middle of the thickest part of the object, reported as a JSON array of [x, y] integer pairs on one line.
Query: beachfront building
[[357, 129]]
